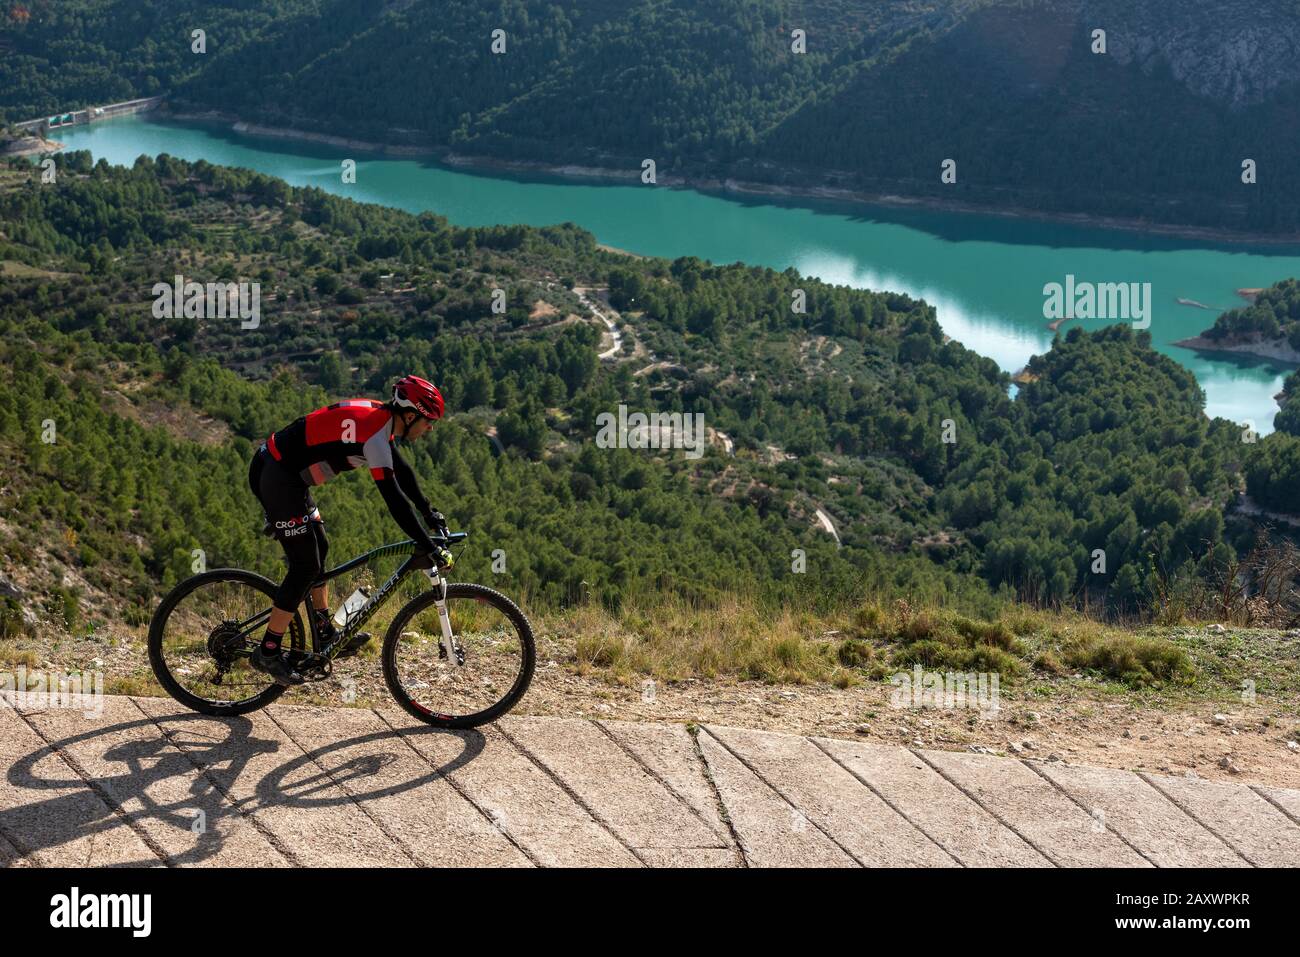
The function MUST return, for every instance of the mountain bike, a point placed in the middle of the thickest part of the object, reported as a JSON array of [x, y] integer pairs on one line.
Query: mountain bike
[[455, 656]]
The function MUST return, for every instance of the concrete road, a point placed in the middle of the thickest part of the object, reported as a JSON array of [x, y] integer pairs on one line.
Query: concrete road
[[147, 784]]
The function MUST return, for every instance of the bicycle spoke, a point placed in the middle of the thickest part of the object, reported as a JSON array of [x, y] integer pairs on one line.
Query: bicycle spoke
[[206, 629], [208, 636], [485, 639]]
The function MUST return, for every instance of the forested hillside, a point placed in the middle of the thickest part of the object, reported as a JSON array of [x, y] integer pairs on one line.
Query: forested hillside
[[1155, 128], [941, 486], [1269, 325], [1274, 314]]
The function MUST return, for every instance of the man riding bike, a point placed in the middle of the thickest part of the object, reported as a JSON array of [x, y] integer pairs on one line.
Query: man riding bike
[[312, 450]]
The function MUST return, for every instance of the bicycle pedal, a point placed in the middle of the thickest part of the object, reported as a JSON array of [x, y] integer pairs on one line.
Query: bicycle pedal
[[311, 666]]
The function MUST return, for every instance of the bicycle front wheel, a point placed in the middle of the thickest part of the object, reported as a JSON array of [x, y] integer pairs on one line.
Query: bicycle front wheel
[[488, 672]]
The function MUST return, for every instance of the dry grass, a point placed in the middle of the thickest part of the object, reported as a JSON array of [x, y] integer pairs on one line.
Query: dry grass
[[738, 637], [1070, 640], [13, 656], [669, 639]]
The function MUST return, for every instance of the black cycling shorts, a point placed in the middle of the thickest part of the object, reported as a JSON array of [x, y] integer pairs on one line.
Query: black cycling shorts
[[293, 519], [286, 500]]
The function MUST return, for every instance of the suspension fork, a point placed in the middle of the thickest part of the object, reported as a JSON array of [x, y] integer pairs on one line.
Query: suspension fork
[[454, 656]]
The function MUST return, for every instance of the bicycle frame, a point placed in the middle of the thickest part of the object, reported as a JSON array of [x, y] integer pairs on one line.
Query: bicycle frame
[[362, 615]]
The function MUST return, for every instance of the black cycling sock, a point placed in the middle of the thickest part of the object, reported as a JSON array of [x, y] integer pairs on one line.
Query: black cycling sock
[[271, 642]]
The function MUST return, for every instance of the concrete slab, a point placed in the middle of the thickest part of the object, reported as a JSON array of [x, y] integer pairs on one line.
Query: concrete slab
[[519, 797], [304, 786], [772, 831], [1151, 823], [1288, 799], [307, 816], [49, 812], [1056, 826], [691, 857], [920, 793], [9, 855], [852, 815], [156, 787], [1256, 829], [618, 791], [403, 794], [669, 751]]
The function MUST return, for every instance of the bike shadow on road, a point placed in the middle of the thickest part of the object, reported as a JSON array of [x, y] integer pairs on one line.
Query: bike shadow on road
[[176, 766]]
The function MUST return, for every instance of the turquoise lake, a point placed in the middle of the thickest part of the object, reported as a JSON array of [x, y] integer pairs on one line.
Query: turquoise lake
[[984, 274]]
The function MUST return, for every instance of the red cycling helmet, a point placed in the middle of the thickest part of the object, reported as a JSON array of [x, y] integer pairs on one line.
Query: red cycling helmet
[[412, 392]]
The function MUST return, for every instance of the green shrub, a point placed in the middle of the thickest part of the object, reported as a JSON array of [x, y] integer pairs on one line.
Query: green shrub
[[1136, 662], [12, 624], [855, 653]]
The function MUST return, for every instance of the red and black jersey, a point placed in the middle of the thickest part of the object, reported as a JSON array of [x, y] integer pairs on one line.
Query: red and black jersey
[[349, 435], [339, 437]]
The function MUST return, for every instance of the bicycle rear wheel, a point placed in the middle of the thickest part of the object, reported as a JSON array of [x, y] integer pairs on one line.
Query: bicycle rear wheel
[[493, 641], [202, 634]]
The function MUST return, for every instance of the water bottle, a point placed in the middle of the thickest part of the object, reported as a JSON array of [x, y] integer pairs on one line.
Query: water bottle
[[356, 601]]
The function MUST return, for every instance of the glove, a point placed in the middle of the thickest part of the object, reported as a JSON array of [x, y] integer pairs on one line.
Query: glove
[[433, 557], [436, 523]]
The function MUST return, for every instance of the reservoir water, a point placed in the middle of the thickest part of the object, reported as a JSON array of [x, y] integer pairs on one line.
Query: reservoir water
[[984, 274]]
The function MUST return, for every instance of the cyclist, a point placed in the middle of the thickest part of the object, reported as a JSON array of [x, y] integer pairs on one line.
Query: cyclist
[[312, 450]]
